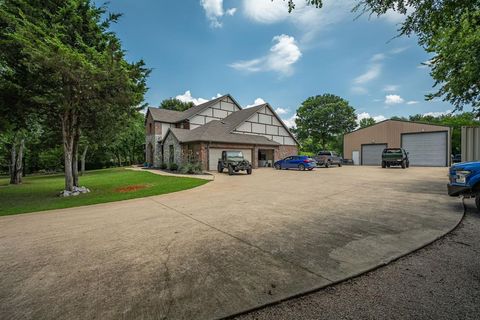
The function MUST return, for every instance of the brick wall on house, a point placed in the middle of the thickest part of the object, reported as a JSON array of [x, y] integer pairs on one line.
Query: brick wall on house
[[153, 134], [285, 151]]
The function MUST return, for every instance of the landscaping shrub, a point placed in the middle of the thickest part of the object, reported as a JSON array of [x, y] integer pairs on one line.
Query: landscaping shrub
[[163, 166], [173, 166], [191, 168]]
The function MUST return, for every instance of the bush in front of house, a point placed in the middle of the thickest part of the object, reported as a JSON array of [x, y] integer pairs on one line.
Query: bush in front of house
[[163, 166], [173, 166], [191, 168]]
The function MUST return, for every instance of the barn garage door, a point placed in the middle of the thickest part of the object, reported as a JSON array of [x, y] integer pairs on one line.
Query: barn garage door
[[215, 154], [372, 154], [426, 148]]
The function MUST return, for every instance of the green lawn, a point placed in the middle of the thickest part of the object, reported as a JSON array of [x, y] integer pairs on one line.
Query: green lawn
[[38, 193]]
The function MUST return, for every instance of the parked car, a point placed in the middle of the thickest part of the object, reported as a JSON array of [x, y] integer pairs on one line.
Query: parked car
[[465, 181], [234, 161], [296, 162], [328, 158], [395, 157], [347, 162], [457, 158]]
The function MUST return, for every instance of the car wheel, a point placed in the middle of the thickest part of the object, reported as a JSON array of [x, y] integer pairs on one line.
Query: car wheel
[[301, 167], [220, 168], [408, 164], [327, 164], [477, 202], [230, 170], [384, 165], [249, 171], [404, 165], [339, 165], [310, 169], [278, 166]]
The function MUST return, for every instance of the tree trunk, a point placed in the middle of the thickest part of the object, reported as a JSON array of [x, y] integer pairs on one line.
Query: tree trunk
[[16, 160], [82, 160], [76, 139], [19, 165], [13, 161], [68, 123]]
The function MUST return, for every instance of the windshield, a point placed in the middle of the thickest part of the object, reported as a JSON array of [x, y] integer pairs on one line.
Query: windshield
[[234, 154], [392, 151]]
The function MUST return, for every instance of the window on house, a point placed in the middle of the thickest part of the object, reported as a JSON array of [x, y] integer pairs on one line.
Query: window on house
[[150, 128], [171, 150]]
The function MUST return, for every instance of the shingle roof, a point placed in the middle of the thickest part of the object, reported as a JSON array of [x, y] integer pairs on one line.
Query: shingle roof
[[218, 131], [165, 115], [170, 116], [236, 118]]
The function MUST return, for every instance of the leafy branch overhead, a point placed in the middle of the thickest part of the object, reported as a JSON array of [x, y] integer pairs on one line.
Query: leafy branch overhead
[[450, 31]]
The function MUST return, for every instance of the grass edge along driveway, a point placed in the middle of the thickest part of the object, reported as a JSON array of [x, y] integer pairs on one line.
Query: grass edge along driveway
[[39, 193]]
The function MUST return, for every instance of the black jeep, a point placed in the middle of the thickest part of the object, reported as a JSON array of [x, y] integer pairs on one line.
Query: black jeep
[[234, 161]]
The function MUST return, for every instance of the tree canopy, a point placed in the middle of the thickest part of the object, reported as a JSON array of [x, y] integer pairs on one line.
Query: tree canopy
[[175, 104], [322, 119], [78, 75], [366, 122]]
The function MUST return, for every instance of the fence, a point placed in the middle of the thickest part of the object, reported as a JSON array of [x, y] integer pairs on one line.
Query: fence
[[470, 144]]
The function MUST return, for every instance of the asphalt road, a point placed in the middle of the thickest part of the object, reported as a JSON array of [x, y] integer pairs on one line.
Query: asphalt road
[[441, 281]]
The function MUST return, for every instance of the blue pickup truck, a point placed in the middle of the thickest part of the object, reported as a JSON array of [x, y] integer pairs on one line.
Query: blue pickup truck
[[465, 181]]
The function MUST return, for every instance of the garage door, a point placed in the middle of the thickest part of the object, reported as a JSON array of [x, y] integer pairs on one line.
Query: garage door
[[372, 154], [426, 148], [215, 154]]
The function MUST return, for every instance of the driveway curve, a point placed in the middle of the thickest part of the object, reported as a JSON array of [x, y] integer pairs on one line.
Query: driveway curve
[[231, 245]]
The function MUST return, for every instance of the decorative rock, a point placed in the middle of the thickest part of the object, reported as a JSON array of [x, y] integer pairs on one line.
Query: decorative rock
[[76, 191]]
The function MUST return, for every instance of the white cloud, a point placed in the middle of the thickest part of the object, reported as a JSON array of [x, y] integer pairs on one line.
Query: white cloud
[[390, 87], [281, 111], [290, 122], [281, 58], [231, 11], [365, 115], [373, 72], [187, 97], [257, 102], [378, 57], [437, 113], [412, 102], [398, 50], [214, 11], [308, 19], [393, 99]]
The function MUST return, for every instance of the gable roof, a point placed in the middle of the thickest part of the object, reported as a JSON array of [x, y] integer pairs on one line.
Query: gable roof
[[398, 120], [217, 131], [171, 116], [239, 117], [165, 115]]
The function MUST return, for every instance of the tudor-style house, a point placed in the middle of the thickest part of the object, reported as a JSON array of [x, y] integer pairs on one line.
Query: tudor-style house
[[202, 132]]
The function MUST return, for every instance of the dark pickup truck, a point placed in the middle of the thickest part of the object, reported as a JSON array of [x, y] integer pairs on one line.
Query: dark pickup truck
[[395, 157], [328, 158]]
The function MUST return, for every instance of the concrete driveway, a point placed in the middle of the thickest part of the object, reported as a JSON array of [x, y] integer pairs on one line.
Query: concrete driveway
[[231, 245]]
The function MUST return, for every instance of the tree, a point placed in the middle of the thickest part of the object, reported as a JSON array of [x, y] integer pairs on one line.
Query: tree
[[448, 29], [321, 119], [175, 104], [366, 122], [80, 73]]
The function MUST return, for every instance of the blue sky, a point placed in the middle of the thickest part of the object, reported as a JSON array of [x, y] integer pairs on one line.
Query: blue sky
[[256, 51]]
